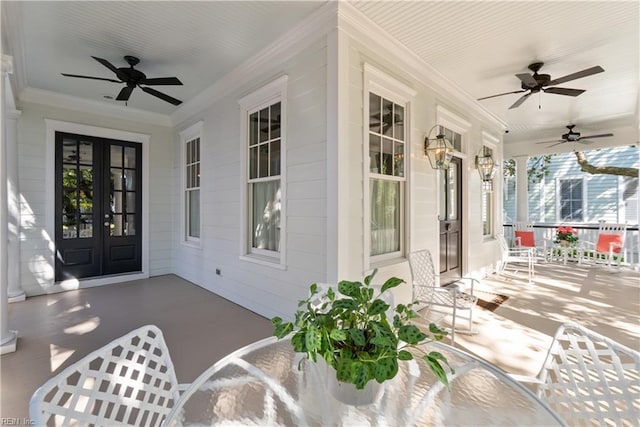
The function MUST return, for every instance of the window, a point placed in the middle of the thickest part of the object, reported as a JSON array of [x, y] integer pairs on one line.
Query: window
[[386, 175], [263, 135], [571, 200], [190, 157]]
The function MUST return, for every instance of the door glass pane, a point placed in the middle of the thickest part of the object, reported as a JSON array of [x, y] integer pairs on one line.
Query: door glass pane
[[374, 154], [69, 178], [86, 189], [442, 206], [116, 202], [86, 226], [115, 228], [116, 156], [69, 201], [130, 179], [116, 179], [452, 192], [129, 157], [69, 151], [86, 152], [69, 229], [130, 226], [374, 113], [131, 202]]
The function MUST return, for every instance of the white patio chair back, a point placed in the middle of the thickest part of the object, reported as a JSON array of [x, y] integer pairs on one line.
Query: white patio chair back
[[130, 381], [524, 256], [608, 246], [589, 379], [426, 291], [523, 227]]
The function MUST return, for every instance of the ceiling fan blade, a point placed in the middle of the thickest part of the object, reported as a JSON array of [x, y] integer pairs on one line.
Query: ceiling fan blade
[[500, 94], [161, 95], [106, 63], [161, 81], [563, 91], [578, 75], [584, 141], [602, 135], [520, 101], [89, 77], [561, 142], [527, 79], [124, 94], [549, 142]]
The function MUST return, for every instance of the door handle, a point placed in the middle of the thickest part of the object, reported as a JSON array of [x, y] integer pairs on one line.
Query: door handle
[[106, 223], [447, 226]]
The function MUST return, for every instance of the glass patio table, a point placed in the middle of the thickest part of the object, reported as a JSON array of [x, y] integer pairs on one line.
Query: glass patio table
[[261, 385]]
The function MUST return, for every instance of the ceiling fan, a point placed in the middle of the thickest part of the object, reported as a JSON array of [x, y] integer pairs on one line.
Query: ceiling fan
[[534, 83], [133, 78], [572, 136]]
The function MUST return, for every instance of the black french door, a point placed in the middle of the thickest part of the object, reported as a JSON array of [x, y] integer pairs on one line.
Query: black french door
[[451, 221], [98, 224]]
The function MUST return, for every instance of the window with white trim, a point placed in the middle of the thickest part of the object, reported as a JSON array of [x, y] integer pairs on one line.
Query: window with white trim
[[190, 158], [386, 176], [264, 183], [571, 199]]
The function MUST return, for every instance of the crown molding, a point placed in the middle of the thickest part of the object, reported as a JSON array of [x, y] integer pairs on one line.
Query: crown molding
[[362, 29], [294, 41], [54, 99]]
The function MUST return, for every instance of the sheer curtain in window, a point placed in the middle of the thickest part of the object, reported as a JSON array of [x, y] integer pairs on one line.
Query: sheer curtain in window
[[385, 216], [266, 215]]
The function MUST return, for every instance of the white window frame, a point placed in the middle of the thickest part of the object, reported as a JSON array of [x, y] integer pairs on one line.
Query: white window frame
[[273, 92], [380, 83], [491, 142], [189, 134], [559, 198]]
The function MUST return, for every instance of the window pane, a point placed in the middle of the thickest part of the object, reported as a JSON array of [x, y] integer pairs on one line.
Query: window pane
[[385, 216], [130, 226], [275, 121], [86, 226], [264, 124], [197, 153], [486, 213], [398, 122], [263, 160], [86, 152], [116, 202], [265, 221], [196, 178], [69, 178], [116, 156], [452, 192], [374, 113], [116, 179], [116, 225], [387, 156], [69, 202], [131, 202], [129, 157], [189, 176], [253, 162], [253, 129], [193, 213], [69, 227], [274, 167], [375, 165], [85, 190], [387, 116], [398, 159], [69, 151], [130, 179], [571, 200]]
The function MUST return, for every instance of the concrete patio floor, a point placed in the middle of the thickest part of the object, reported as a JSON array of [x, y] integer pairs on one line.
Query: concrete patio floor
[[200, 327]]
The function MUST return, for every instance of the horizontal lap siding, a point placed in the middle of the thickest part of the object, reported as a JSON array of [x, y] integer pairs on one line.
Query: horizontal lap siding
[[266, 290]]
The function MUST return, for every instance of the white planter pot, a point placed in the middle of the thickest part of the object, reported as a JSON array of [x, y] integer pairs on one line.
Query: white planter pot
[[348, 393]]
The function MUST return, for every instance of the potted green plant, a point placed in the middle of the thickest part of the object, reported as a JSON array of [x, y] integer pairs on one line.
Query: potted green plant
[[350, 331]]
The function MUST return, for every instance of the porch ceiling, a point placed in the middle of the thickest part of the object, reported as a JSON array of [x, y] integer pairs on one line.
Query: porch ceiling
[[477, 45]]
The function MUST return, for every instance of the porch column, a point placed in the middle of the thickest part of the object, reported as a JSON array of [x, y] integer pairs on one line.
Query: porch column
[[522, 189], [8, 338], [15, 292]]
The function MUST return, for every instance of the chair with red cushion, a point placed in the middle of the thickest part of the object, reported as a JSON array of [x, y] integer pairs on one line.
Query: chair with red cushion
[[609, 245], [524, 238]]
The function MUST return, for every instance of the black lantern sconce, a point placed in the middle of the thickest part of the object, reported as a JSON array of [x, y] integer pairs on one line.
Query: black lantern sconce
[[486, 168], [439, 150]]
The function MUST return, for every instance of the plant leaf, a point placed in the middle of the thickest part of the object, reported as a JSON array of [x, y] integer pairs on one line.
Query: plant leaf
[[433, 360], [338, 334], [411, 334], [378, 307], [331, 294], [343, 370], [358, 337], [283, 329], [350, 289], [298, 342], [382, 342], [345, 303], [361, 374], [313, 289], [391, 282], [312, 339], [385, 369], [367, 280], [405, 355]]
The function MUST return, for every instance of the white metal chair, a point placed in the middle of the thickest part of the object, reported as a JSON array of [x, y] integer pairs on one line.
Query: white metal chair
[[130, 381], [608, 246], [524, 238], [426, 290], [524, 256], [589, 379]]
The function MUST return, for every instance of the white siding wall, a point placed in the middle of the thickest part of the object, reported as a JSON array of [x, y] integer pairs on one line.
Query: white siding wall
[[36, 246], [266, 290]]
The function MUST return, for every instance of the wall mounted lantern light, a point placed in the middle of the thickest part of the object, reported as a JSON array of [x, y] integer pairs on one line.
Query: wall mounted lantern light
[[486, 168], [439, 150]]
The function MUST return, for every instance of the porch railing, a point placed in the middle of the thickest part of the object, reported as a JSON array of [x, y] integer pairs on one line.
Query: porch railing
[[586, 232]]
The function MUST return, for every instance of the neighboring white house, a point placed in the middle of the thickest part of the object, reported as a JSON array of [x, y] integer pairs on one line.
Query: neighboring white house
[[304, 164]]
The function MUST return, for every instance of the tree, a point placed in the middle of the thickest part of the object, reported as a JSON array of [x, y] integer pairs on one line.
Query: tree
[[587, 167]]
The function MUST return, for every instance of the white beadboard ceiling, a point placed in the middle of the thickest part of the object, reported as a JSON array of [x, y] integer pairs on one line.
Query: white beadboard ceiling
[[478, 45]]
